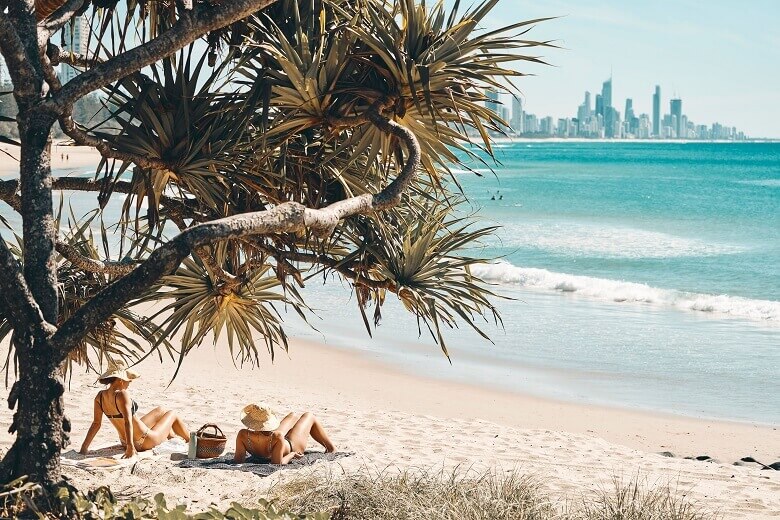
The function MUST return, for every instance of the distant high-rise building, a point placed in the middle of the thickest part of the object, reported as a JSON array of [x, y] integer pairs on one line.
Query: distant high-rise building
[[546, 126], [609, 110], [606, 93], [657, 111], [599, 105], [492, 100], [675, 106], [587, 104], [74, 39], [517, 115]]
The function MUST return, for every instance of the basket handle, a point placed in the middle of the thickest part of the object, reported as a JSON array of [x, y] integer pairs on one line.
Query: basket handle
[[217, 430]]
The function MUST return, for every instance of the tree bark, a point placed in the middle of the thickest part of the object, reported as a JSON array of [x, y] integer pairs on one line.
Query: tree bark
[[41, 428]]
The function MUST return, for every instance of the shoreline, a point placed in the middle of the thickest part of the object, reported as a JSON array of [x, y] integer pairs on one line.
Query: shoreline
[[613, 423]]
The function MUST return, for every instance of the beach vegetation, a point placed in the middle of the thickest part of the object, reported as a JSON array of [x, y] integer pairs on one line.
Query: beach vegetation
[[388, 494], [256, 144], [20, 499], [468, 494]]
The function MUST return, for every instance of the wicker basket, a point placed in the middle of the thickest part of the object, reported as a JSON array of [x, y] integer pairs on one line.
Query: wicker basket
[[210, 445]]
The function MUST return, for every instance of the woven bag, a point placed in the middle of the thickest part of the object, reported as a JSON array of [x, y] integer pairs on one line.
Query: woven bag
[[210, 445]]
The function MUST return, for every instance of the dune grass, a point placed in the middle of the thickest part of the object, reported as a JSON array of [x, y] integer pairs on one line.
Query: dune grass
[[468, 495]]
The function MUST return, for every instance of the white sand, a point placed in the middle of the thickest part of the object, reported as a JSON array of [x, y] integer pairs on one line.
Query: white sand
[[391, 418], [63, 157]]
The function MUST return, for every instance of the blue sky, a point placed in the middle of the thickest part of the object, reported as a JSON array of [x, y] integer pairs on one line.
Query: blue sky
[[722, 58]]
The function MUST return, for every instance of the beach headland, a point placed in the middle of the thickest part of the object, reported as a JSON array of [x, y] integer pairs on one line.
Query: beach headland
[[392, 419]]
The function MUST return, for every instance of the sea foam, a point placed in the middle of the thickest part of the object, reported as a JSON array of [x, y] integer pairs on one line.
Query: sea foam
[[605, 241], [603, 289]]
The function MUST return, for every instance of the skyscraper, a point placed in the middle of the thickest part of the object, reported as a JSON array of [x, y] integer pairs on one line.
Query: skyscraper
[[587, 104], [584, 110], [517, 115], [675, 107], [492, 100], [599, 105], [609, 111], [657, 112], [74, 39], [606, 93]]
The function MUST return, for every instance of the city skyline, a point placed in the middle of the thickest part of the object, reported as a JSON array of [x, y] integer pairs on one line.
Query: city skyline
[[714, 57], [602, 119]]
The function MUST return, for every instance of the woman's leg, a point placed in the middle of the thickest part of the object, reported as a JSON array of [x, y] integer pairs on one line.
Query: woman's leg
[[286, 424], [154, 415], [159, 432], [307, 425]]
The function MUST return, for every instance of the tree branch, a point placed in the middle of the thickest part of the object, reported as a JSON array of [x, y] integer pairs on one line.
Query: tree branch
[[63, 15], [329, 262], [12, 49], [81, 137], [57, 55], [284, 218], [90, 265], [23, 312], [191, 25]]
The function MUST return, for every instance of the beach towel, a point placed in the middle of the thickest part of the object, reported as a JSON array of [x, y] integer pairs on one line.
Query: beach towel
[[261, 467], [110, 457]]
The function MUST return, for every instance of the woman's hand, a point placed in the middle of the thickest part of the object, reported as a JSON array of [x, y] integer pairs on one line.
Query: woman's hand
[[130, 452]]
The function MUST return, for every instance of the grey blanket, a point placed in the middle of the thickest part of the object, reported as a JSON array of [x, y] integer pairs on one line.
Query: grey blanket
[[261, 467]]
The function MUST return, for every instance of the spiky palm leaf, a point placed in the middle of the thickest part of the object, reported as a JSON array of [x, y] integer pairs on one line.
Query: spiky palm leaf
[[126, 334], [200, 306]]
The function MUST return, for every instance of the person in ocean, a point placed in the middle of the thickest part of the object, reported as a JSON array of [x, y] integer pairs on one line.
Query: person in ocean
[[144, 432], [281, 441]]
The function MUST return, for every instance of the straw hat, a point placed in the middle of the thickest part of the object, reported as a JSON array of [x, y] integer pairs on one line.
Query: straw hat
[[118, 369], [259, 418]]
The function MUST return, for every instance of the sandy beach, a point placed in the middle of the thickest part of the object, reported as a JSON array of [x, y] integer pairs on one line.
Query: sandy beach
[[63, 157], [389, 418]]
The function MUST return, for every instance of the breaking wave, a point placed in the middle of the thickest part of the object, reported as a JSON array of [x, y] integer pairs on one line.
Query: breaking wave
[[766, 311]]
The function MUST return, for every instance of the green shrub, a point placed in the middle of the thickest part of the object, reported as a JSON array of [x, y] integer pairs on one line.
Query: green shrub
[[25, 500]]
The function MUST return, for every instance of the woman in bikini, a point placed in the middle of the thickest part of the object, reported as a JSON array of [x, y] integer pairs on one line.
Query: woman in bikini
[[115, 403], [279, 441]]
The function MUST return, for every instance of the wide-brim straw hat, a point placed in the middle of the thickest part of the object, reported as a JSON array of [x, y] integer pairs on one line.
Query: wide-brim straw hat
[[118, 370], [260, 418]]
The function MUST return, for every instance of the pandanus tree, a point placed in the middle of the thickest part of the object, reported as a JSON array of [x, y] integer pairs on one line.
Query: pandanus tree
[[256, 143]]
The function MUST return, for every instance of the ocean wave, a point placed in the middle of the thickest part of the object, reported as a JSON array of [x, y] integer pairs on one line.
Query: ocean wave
[[604, 241], [765, 183], [616, 291]]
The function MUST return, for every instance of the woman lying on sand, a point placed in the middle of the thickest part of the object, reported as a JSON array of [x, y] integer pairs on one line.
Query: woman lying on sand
[[145, 432], [280, 441]]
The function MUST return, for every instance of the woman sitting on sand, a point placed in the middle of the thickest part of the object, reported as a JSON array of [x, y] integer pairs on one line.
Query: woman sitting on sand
[[280, 441], [145, 432]]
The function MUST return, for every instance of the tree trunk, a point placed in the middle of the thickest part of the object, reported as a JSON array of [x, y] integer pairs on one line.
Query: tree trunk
[[39, 422], [41, 428]]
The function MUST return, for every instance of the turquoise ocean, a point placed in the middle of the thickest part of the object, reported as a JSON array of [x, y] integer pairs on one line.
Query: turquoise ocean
[[641, 274], [637, 274]]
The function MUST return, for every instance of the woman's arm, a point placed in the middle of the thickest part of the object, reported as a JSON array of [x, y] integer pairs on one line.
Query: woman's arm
[[124, 403], [279, 453], [97, 419]]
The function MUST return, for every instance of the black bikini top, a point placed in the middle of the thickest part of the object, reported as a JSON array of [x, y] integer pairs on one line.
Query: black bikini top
[[133, 408]]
